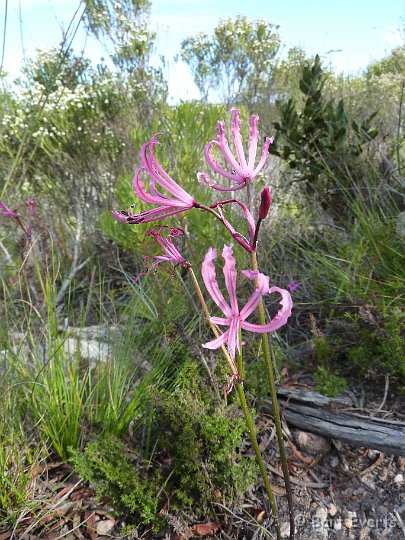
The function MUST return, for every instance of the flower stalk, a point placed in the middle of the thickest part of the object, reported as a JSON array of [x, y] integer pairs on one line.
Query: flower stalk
[[167, 199], [270, 363], [243, 403]]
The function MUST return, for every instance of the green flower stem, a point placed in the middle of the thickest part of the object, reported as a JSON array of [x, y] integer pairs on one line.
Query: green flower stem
[[242, 399], [262, 467], [270, 363]]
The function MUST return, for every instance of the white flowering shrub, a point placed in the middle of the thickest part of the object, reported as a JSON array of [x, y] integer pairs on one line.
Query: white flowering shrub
[[62, 126], [124, 27]]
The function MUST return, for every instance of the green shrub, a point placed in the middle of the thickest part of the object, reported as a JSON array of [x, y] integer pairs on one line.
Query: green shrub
[[381, 347], [187, 454], [329, 383], [129, 483]]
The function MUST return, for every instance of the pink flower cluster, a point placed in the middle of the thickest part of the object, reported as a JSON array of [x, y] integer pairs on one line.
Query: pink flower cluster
[[242, 171], [168, 198]]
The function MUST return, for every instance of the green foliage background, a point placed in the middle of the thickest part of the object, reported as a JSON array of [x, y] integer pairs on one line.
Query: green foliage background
[[70, 134]]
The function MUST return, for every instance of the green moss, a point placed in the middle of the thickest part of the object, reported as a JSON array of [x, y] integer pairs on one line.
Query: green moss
[[329, 383]]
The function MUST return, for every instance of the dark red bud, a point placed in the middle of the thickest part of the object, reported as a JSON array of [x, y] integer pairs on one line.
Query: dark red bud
[[264, 203]]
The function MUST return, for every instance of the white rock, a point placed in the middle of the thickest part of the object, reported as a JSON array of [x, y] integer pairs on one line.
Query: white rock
[[332, 510], [104, 527], [91, 349], [348, 523], [285, 530], [399, 478]]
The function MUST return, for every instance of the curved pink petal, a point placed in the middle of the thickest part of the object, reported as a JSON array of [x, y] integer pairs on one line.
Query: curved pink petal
[[152, 215], [253, 138], [120, 215], [233, 337], [154, 169], [150, 164], [265, 153], [279, 320], [154, 191], [208, 273], [217, 342], [142, 194], [230, 276], [254, 299], [220, 320], [238, 141], [226, 151], [158, 259], [212, 162], [202, 177]]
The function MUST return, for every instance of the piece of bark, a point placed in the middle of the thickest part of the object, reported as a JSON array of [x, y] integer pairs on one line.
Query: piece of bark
[[322, 415]]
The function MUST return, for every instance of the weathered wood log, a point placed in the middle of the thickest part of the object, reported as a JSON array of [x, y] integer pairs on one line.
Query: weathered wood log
[[322, 415]]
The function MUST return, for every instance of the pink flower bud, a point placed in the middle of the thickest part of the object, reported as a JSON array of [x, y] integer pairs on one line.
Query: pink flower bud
[[32, 205], [264, 203]]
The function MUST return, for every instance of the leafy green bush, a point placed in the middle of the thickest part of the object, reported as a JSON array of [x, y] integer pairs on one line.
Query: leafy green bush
[[118, 475], [202, 439], [381, 347], [187, 454], [320, 142]]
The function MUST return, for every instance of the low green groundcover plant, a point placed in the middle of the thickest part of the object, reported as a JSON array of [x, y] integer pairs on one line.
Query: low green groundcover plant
[[184, 453]]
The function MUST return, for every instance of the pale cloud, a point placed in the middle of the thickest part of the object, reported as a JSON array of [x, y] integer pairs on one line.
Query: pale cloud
[[181, 84], [35, 4], [393, 37]]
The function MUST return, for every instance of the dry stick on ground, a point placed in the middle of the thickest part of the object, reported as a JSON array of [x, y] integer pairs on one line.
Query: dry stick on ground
[[387, 385], [319, 414]]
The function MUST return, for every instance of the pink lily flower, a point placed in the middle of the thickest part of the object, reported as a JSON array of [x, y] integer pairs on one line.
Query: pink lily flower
[[293, 286], [235, 318], [5, 211], [167, 205], [169, 245], [242, 171]]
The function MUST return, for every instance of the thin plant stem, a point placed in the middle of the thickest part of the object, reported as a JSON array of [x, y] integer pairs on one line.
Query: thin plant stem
[[262, 466], [242, 400], [270, 363]]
